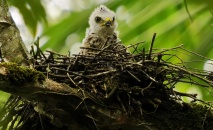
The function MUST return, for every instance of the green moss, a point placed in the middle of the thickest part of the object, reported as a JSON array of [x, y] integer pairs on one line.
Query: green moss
[[21, 75]]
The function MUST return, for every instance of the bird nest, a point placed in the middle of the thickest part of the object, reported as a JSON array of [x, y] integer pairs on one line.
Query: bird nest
[[134, 82], [122, 88]]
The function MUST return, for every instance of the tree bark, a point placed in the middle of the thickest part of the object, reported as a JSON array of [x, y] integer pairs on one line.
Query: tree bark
[[12, 46]]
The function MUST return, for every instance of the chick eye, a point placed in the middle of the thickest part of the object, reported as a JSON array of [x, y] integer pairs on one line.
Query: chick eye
[[113, 19], [98, 19]]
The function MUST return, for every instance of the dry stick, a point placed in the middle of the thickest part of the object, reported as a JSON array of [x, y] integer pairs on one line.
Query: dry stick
[[182, 63], [41, 121], [137, 44], [170, 57], [98, 54], [121, 103], [133, 76], [134, 46], [159, 57], [93, 120], [142, 91], [83, 100], [32, 51], [95, 49], [103, 73], [143, 55], [174, 48], [49, 58], [188, 72], [84, 97], [196, 54], [117, 45], [69, 71], [180, 93], [172, 87], [152, 79], [75, 63], [53, 65], [193, 82], [111, 92], [209, 110], [57, 53], [69, 53], [135, 49], [68, 75], [48, 70], [1, 55], [150, 50], [193, 96], [38, 49]]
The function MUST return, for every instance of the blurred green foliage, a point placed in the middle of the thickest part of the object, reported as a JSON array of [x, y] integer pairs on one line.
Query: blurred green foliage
[[187, 22], [32, 12]]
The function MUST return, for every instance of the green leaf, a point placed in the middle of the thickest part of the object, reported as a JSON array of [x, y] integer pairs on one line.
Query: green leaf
[[32, 12]]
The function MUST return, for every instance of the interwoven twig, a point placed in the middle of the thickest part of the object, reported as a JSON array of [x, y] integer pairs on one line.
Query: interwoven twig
[[129, 80]]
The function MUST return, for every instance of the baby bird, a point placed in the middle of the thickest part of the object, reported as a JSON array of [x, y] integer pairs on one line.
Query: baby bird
[[102, 26]]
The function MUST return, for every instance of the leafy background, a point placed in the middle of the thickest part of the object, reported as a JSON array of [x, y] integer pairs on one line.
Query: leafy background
[[62, 28]]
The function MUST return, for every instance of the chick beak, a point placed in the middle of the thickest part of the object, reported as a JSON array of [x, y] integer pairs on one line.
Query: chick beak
[[108, 23]]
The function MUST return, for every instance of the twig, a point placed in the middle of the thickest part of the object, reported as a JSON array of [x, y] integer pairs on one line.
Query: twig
[[133, 76], [39, 51], [151, 46], [152, 79], [196, 54], [188, 72]]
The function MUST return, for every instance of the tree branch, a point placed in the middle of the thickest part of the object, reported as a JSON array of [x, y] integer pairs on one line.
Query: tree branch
[[12, 46]]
